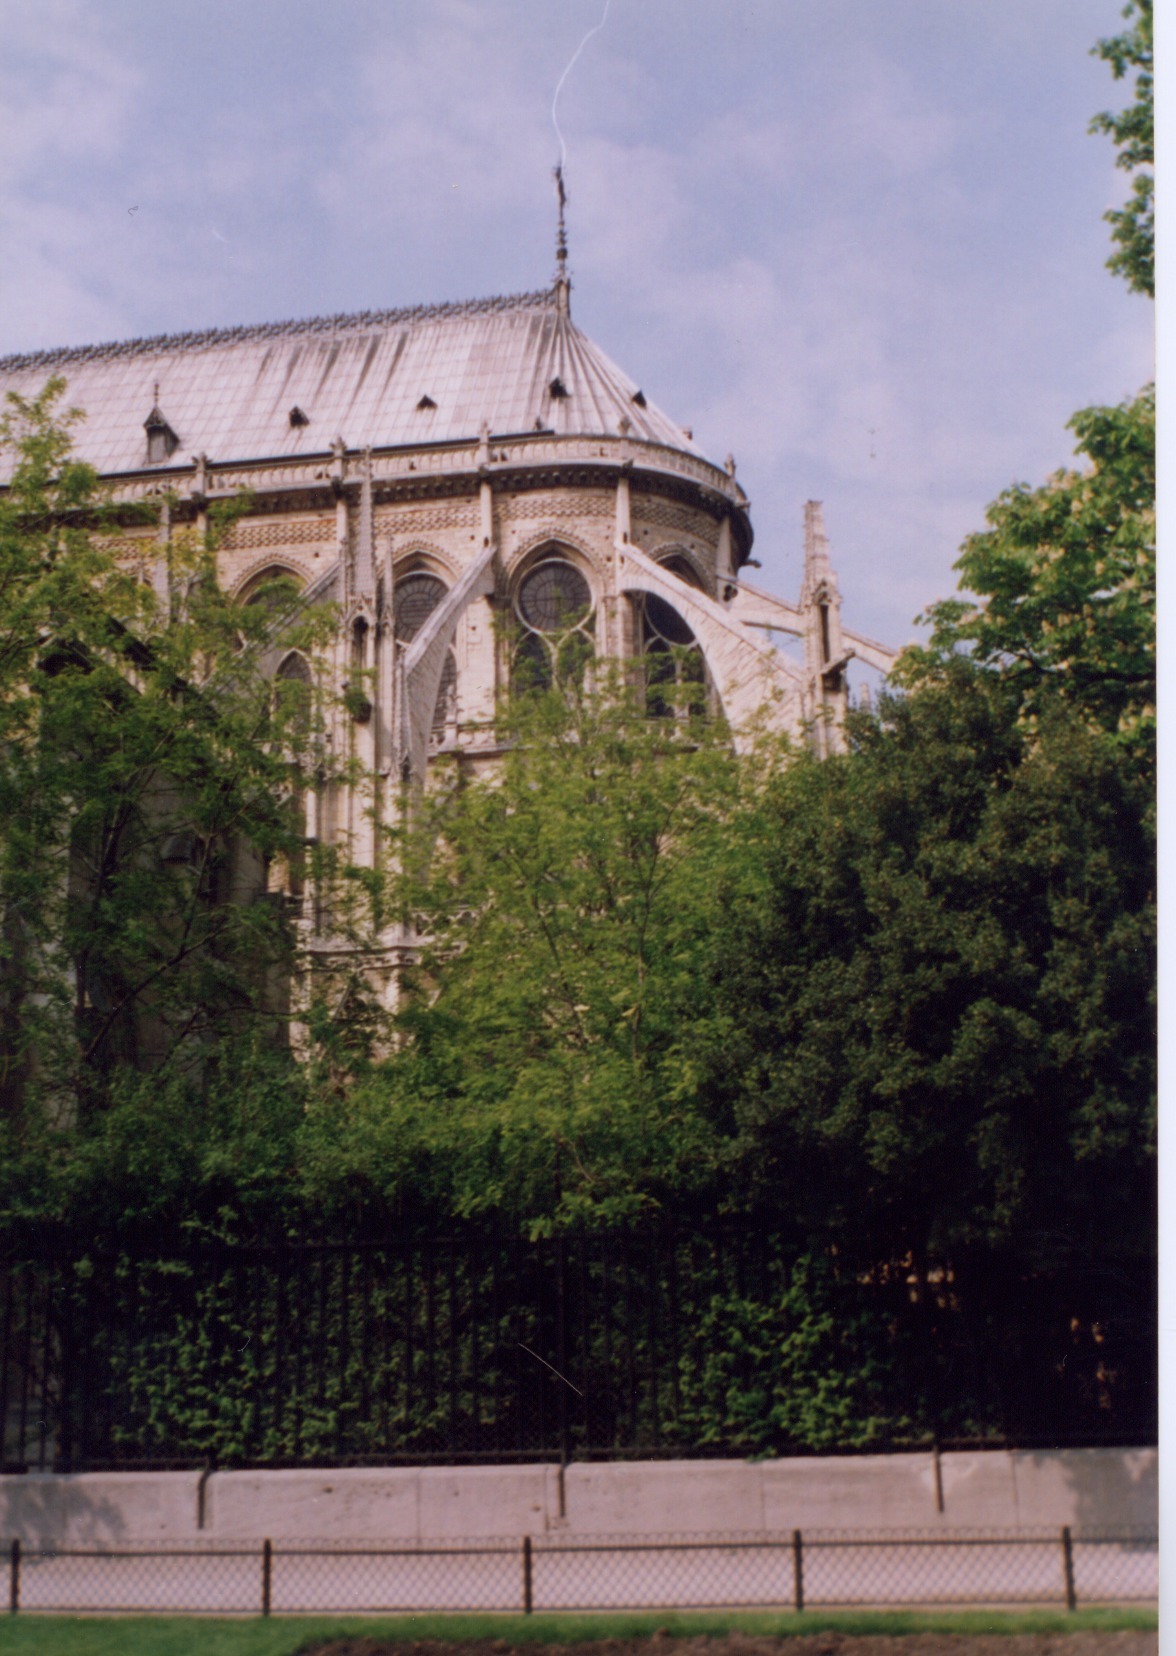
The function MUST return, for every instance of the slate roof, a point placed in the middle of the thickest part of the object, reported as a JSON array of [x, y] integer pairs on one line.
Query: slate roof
[[369, 378]]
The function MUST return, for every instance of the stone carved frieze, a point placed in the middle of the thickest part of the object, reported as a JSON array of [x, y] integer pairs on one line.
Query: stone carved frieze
[[417, 520], [126, 548], [571, 506], [247, 533], [674, 517]]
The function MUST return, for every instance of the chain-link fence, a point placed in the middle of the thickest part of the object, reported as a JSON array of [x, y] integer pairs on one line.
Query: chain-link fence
[[793, 1570]]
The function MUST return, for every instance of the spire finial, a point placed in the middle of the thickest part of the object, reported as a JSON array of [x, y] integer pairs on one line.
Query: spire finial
[[562, 283], [816, 542]]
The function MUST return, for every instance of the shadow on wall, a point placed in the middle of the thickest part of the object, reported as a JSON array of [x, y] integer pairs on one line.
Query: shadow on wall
[[1105, 1489], [50, 1511]]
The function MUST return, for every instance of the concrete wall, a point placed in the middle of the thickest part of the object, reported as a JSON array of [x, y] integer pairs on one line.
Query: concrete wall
[[1094, 1490]]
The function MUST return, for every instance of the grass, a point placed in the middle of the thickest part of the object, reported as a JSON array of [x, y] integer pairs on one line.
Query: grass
[[286, 1636]]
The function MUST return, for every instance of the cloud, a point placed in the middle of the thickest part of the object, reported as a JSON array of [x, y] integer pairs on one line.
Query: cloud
[[67, 96], [859, 246]]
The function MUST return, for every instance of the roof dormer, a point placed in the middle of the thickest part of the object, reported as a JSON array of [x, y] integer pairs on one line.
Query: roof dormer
[[162, 441]]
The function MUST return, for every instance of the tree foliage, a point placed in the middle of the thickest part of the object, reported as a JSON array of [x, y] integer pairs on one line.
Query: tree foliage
[[146, 779], [1133, 130], [1066, 577], [934, 1033], [544, 1063], [942, 1011]]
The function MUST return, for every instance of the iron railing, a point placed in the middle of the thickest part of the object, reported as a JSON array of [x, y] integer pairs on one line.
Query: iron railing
[[418, 1348]]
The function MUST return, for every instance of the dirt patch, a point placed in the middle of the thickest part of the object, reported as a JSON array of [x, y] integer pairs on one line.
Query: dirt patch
[[1087, 1643]]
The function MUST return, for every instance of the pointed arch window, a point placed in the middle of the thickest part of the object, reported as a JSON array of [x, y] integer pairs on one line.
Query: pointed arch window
[[555, 606], [293, 688], [356, 696], [675, 671], [414, 598], [293, 692], [273, 588]]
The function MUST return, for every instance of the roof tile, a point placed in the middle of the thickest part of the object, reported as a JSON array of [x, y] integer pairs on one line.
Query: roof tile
[[228, 391]]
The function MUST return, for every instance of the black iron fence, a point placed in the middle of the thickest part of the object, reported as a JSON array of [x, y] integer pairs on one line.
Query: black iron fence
[[434, 1348], [792, 1571]]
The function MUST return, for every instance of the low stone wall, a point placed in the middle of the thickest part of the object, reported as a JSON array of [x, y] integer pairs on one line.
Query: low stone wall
[[1093, 1490]]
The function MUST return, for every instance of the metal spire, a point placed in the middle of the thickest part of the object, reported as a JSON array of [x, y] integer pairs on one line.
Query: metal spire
[[562, 283]]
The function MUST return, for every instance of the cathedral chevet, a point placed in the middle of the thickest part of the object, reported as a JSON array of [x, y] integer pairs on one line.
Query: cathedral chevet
[[483, 498]]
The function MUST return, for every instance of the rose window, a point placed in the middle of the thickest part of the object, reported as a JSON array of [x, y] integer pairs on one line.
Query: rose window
[[555, 607]]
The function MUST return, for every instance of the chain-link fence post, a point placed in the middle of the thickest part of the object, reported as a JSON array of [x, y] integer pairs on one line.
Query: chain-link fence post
[[527, 1576], [267, 1575], [14, 1577], [1068, 1567], [797, 1570]]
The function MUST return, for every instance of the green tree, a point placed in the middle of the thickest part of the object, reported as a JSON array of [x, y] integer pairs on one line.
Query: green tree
[[1066, 575], [957, 930], [935, 1028], [543, 1065], [147, 774], [1133, 130]]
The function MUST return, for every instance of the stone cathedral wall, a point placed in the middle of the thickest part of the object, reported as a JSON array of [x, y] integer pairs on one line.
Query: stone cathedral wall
[[440, 535]]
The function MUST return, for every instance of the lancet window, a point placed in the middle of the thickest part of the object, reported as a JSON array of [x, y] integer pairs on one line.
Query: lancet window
[[675, 671], [415, 597], [294, 687]]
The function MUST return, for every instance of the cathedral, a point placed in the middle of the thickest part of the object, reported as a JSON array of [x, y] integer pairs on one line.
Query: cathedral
[[485, 499]]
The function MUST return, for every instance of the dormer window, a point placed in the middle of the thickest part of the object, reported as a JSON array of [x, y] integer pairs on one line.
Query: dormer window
[[558, 388], [298, 418], [425, 404], [639, 398], [162, 441]]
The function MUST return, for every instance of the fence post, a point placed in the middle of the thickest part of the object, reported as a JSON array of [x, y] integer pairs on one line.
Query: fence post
[[797, 1571], [561, 1346], [1068, 1567], [267, 1574], [14, 1577], [527, 1605]]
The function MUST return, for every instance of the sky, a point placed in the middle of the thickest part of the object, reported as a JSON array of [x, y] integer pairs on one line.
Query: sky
[[858, 245]]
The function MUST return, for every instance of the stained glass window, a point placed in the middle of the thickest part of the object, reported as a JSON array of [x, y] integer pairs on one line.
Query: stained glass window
[[675, 673], [555, 606], [554, 598], [415, 597]]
